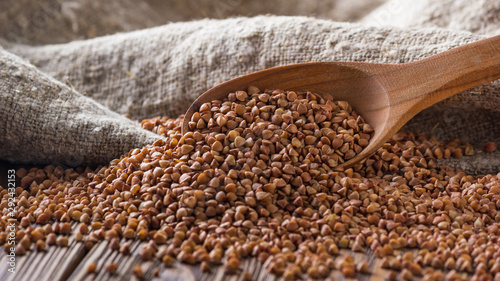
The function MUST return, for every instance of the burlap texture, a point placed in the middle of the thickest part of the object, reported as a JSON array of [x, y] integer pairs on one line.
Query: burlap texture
[[44, 121], [159, 71], [39, 22], [162, 70], [480, 17]]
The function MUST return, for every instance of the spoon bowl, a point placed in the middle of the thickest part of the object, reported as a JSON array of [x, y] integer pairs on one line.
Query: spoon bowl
[[385, 95]]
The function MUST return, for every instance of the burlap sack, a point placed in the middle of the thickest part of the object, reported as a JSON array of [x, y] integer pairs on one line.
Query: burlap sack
[[45, 121], [40, 22], [159, 71], [480, 17]]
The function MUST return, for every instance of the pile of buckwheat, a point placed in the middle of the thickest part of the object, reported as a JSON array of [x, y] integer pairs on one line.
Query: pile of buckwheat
[[256, 177]]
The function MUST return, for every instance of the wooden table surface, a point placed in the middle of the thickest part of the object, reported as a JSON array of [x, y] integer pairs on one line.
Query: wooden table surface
[[70, 263]]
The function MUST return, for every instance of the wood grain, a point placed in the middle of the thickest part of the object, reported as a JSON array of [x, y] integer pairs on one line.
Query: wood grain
[[71, 263]]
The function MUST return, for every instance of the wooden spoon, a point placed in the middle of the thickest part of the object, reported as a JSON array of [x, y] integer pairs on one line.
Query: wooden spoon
[[386, 95]]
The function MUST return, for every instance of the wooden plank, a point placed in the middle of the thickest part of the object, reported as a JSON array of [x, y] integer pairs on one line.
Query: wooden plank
[[71, 263], [56, 263], [6, 275], [102, 255], [59, 264], [43, 263]]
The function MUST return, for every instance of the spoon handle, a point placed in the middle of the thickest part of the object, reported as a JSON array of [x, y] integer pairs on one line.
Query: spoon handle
[[443, 75]]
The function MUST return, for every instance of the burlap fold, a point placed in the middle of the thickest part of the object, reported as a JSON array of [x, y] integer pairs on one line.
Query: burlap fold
[[45, 121]]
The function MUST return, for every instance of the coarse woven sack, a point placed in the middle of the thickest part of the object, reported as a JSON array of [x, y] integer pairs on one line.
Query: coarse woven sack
[[160, 71], [40, 22], [44, 121], [480, 17]]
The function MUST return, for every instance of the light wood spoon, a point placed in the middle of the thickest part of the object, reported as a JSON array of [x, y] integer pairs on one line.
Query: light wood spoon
[[386, 95]]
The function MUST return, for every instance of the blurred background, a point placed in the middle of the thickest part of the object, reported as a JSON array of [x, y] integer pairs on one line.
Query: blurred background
[[39, 22]]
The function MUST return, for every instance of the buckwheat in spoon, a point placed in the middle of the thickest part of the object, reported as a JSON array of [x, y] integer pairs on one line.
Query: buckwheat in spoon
[[385, 95]]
